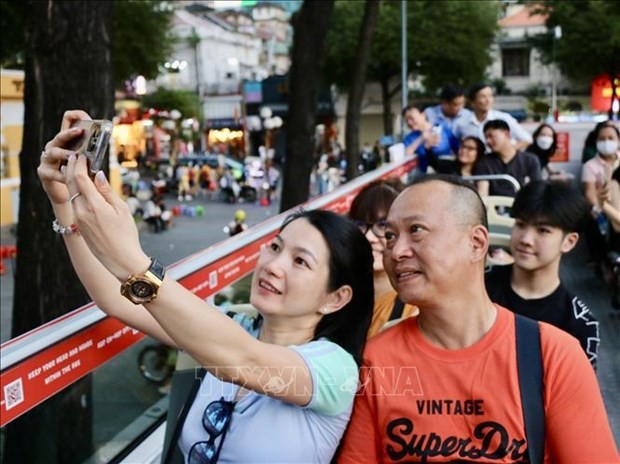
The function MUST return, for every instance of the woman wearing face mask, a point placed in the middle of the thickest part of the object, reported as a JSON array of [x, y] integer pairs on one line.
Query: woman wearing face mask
[[544, 146], [596, 176]]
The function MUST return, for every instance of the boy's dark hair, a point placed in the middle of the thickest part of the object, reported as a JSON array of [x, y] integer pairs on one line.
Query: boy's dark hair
[[410, 107], [496, 124], [450, 91], [473, 91], [554, 203]]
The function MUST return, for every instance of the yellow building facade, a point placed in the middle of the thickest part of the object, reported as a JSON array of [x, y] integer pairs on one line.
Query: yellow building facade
[[12, 120]]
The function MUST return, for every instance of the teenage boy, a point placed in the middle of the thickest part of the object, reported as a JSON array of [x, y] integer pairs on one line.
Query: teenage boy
[[548, 217], [504, 159]]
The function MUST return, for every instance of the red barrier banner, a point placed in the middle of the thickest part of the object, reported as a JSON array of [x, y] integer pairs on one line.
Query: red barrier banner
[[561, 155], [226, 271], [33, 381]]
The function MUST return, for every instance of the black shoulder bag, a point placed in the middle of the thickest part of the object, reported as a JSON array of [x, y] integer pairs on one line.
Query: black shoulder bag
[[397, 309], [531, 384]]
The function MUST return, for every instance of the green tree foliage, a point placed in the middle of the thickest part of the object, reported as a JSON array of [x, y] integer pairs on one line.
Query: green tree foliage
[[590, 42], [141, 37], [447, 41], [12, 45]]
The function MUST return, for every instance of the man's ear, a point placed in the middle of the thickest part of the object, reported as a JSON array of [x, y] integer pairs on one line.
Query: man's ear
[[337, 299], [479, 239], [569, 241]]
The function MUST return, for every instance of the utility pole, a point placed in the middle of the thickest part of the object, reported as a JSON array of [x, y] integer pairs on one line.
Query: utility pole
[[557, 34]]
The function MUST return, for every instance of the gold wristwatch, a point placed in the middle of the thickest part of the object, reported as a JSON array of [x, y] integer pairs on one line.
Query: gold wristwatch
[[142, 288]]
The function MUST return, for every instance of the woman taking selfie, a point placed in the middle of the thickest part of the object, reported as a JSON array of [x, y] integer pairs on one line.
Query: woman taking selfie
[[282, 391]]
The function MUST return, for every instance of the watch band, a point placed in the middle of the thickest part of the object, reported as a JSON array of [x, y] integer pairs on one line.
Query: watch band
[[157, 270]]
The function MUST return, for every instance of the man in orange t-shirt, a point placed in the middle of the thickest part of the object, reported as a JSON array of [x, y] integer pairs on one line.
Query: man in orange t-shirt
[[444, 386]]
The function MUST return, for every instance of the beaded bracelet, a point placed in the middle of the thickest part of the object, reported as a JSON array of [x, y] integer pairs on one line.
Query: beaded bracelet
[[65, 230]]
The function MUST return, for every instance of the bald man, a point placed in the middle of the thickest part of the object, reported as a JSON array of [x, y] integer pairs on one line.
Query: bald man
[[444, 386]]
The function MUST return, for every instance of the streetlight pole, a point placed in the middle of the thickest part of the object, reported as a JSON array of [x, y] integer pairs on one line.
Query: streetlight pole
[[557, 33]]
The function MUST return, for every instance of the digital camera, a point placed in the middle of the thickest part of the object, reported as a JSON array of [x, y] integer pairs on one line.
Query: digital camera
[[94, 142]]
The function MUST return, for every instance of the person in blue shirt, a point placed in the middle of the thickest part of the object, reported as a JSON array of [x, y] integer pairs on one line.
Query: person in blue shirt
[[451, 110], [427, 140]]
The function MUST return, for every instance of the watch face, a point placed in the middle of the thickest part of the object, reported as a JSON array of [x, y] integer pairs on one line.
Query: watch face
[[142, 289]]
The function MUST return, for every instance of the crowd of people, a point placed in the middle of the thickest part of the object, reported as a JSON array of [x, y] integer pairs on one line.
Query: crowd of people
[[449, 138], [382, 336]]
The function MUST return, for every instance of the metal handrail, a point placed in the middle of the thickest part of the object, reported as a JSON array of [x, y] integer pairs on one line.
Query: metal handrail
[[505, 177]]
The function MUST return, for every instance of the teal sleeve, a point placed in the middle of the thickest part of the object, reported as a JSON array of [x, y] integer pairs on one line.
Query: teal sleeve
[[334, 376]]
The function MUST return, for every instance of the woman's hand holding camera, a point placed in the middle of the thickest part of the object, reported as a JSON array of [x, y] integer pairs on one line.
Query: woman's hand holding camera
[[51, 169], [104, 220]]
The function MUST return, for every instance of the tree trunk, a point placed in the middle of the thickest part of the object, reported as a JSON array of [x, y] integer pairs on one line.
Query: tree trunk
[[310, 25], [356, 91], [68, 66], [388, 126]]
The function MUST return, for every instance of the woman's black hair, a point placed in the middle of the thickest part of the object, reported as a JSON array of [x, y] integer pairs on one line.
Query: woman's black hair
[[480, 148], [373, 202], [604, 125], [350, 263]]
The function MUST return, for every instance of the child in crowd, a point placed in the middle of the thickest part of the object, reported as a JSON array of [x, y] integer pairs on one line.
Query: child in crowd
[[548, 218], [237, 225], [154, 214]]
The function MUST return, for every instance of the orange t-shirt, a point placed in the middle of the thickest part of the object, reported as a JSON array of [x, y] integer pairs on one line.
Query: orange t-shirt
[[422, 403], [384, 304]]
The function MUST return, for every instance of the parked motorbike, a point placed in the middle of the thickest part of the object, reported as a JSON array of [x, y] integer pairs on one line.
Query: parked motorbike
[[157, 363]]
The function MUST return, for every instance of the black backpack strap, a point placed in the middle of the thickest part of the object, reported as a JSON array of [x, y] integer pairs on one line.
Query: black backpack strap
[[397, 309], [180, 419], [531, 384]]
